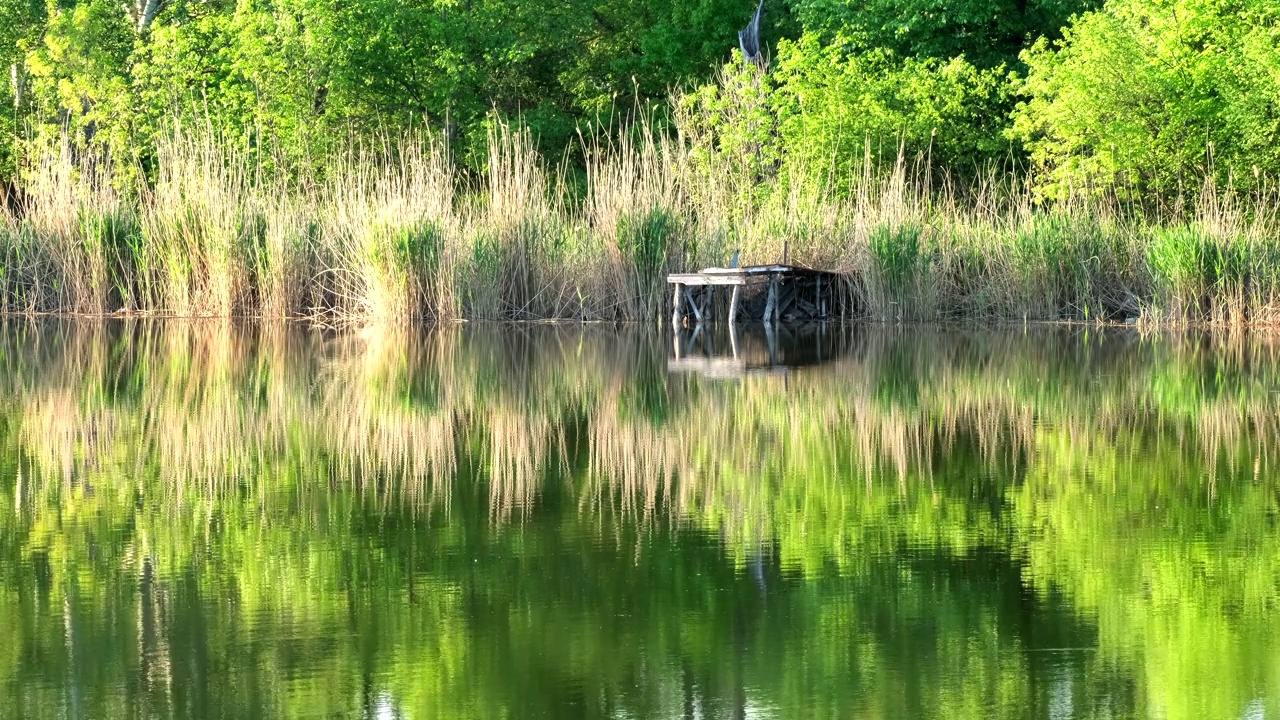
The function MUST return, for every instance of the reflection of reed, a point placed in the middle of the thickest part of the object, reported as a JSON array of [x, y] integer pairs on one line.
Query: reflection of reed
[[211, 407], [631, 467], [1095, 469], [518, 447], [208, 407]]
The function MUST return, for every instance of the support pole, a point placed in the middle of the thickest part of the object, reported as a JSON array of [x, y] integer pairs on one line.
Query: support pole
[[769, 304], [775, 294], [676, 299], [773, 345], [693, 340], [733, 305], [697, 314]]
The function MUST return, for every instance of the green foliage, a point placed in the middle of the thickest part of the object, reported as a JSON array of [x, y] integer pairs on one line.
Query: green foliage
[[1062, 264], [835, 109], [552, 63], [256, 71], [290, 76], [1154, 97], [80, 73], [1135, 95], [420, 247], [647, 240], [896, 251], [729, 126], [990, 34], [1135, 99], [1204, 275], [114, 238], [20, 20], [1186, 263]]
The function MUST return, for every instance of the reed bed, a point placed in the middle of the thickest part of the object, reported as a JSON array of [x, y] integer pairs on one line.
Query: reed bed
[[394, 233]]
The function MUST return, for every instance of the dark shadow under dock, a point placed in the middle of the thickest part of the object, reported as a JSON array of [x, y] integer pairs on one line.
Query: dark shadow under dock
[[771, 293]]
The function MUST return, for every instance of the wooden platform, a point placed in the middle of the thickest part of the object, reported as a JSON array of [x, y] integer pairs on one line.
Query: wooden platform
[[789, 292]]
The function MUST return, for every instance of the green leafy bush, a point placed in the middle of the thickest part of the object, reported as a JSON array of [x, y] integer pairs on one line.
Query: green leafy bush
[[989, 33], [834, 108], [1152, 97]]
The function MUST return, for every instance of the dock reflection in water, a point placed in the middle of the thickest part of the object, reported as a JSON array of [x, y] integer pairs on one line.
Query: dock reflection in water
[[518, 521], [733, 350]]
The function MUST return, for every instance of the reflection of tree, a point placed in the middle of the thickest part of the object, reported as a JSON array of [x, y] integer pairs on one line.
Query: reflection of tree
[[488, 620], [1183, 586], [542, 531]]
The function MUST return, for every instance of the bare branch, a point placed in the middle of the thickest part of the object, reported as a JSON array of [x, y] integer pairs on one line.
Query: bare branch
[[16, 76], [142, 12]]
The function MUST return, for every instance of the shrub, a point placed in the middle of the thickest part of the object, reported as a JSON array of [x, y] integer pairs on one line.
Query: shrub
[[834, 107], [1151, 97]]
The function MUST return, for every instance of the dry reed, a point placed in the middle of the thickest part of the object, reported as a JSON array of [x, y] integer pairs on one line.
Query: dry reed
[[395, 234]]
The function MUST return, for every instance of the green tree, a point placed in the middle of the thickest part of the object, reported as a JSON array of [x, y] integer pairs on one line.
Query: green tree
[[1151, 96], [288, 76], [989, 34], [80, 71], [554, 64], [831, 104], [20, 21], [255, 69]]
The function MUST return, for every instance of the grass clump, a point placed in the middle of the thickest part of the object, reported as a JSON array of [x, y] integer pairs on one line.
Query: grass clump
[[1186, 265], [900, 269]]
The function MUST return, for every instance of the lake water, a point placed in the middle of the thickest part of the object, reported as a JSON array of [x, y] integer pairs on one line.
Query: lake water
[[559, 522]]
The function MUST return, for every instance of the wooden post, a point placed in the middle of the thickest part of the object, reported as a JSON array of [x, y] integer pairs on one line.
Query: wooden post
[[709, 302], [822, 313], [693, 339], [733, 305], [676, 299], [773, 345], [769, 304], [777, 300], [697, 314]]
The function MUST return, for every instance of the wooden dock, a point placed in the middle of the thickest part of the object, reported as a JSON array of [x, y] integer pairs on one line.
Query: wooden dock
[[764, 292]]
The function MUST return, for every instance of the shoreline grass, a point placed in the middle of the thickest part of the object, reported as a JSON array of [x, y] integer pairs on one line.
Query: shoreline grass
[[394, 234]]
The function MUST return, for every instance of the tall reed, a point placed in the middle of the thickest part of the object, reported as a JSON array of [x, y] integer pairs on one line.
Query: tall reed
[[394, 233], [387, 233]]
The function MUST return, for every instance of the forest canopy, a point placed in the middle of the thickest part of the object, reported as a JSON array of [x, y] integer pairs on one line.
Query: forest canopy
[[1133, 94]]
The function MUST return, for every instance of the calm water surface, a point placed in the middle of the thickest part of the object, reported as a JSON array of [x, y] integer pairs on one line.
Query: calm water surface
[[543, 522]]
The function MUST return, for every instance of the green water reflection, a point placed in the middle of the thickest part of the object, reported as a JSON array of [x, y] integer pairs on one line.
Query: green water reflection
[[509, 522]]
